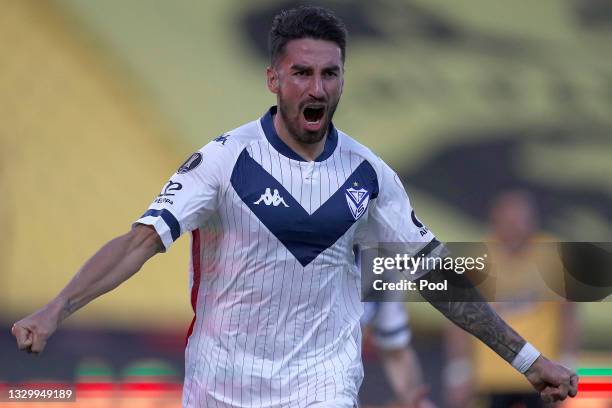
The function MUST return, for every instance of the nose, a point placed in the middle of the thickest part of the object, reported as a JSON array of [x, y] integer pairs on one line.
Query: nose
[[316, 89]]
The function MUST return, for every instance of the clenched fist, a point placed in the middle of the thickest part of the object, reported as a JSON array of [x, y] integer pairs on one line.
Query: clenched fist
[[553, 381], [33, 331]]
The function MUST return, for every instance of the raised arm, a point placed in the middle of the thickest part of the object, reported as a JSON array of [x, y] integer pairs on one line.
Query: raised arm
[[474, 315], [113, 264]]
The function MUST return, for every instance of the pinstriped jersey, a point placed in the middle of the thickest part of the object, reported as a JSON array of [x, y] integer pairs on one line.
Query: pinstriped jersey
[[274, 285]]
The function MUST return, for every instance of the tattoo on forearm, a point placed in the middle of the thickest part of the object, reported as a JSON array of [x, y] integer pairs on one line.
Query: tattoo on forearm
[[474, 315], [69, 308]]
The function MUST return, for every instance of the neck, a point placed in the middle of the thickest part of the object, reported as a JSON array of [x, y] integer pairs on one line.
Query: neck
[[308, 151]]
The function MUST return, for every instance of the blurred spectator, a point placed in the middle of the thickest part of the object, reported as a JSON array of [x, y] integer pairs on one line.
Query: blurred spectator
[[522, 266]]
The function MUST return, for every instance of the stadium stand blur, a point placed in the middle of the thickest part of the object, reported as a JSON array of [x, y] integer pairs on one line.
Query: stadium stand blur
[[101, 101]]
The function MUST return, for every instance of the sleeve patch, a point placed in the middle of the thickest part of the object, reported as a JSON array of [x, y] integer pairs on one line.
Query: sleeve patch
[[191, 163]]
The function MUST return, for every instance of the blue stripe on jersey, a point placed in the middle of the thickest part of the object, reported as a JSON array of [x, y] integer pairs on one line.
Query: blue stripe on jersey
[[267, 124], [169, 219], [304, 235], [404, 328]]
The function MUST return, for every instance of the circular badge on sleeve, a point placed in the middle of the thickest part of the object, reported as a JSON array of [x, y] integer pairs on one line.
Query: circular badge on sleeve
[[191, 163]]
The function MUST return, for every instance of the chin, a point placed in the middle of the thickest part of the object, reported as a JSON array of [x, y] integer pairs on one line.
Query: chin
[[311, 137]]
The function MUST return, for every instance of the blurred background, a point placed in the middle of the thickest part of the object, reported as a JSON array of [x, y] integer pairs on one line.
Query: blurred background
[[100, 101]]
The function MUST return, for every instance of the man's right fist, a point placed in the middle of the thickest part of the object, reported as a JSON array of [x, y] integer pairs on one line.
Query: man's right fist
[[33, 331]]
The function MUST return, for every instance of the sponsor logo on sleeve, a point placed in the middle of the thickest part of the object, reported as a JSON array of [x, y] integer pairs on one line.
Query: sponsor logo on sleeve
[[170, 187], [168, 191]]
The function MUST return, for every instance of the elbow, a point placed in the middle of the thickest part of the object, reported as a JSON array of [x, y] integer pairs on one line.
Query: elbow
[[144, 239]]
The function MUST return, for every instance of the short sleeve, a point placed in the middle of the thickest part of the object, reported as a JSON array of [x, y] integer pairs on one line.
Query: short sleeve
[[190, 196], [392, 224], [390, 325]]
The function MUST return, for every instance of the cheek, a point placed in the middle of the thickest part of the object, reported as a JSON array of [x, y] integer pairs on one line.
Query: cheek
[[291, 90], [335, 88], [295, 86]]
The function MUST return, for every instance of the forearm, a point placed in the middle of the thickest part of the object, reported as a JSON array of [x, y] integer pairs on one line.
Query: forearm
[[474, 315], [114, 263], [403, 372]]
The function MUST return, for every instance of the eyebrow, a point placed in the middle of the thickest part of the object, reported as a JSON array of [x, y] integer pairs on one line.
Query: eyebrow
[[299, 67]]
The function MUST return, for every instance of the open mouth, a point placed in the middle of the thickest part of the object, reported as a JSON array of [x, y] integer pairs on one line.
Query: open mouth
[[313, 114]]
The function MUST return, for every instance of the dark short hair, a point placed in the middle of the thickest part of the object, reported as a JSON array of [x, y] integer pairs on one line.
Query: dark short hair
[[305, 22]]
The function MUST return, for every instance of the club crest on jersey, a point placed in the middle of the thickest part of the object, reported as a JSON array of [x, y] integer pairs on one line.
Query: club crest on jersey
[[357, 200], [271, 199]]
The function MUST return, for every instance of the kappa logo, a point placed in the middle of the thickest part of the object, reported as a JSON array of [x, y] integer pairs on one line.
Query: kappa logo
[[271, 199], [357, 200], [221, 139]]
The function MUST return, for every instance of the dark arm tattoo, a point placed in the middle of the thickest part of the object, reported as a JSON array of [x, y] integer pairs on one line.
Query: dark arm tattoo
[[464, 305], [69, 308]]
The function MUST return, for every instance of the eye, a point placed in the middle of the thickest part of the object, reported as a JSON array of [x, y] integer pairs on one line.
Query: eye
[[299, 73], [331, 74]]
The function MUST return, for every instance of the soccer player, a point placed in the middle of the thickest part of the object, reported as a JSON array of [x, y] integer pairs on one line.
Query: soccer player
[[274, 209]]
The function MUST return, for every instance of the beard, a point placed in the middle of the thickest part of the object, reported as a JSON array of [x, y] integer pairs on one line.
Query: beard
[[292, 121]]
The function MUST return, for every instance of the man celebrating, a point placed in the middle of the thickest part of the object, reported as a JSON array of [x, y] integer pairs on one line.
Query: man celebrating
[[275, 208]]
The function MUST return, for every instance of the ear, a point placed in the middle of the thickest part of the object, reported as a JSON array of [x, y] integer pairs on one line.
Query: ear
[[272, 79]]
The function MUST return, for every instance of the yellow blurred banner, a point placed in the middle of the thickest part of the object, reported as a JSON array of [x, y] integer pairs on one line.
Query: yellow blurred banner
[[80, 161]]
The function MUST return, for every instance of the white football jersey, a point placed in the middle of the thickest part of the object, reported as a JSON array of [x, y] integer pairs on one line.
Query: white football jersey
[[275, 290]]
